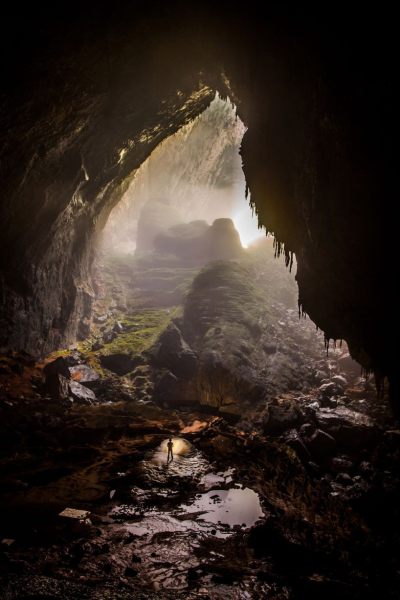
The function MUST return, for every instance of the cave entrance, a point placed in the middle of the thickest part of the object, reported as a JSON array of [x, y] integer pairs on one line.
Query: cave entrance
[[192, 305], [195, 174]]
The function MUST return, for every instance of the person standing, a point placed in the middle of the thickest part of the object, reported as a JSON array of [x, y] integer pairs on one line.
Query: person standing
[[170, 447]]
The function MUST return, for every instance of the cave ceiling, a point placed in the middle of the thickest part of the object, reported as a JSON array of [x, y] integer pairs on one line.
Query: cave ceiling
[[87, 95]]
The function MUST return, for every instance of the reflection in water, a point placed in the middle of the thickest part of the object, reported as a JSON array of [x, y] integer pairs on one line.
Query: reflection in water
[[175, 532], [231, 507]]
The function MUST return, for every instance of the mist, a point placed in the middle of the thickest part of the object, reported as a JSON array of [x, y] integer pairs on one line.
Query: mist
[[195, 174]]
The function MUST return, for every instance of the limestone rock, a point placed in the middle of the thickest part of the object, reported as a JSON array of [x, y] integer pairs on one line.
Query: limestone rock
[[198, 240], [320, 444], [231, 410], [171, 351], [73, 359], [100, 319], [109, 336], [56, 385], [85, 375], [340, 380], [167, 381], [80, 393], [295, 442], [330, 389], [269, 348], [281, 417], [59, 366], [347, 426]]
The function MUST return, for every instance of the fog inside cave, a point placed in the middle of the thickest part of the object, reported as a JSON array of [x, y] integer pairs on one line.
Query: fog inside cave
[[198, 173]]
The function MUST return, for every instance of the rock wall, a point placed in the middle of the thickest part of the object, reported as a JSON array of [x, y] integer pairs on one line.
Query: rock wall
[[87, 99]]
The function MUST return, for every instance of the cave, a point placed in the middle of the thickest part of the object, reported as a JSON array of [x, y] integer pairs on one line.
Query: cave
[[198, 317]]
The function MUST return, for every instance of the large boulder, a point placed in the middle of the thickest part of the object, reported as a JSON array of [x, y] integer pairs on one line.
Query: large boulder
[[349, 427], [171, 351], [321, 444], [294, 441], [56, 385], [73, 359], [281, 417], [85, 375], [80, 393], [200, 241], [59, 366], [331, 389]]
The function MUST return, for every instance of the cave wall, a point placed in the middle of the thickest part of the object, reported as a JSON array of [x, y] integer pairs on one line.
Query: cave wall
[[87, 97]]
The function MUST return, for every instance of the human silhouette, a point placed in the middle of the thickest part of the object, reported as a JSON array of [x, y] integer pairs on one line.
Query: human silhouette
[[170, 446]]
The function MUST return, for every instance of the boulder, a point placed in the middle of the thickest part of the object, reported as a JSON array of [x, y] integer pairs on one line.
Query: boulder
[[85, 375], [80, 393], [224, 444], [172, 352], [200, 241], [320, 444], [330, 389], [97, 346], [320, 375], [100, 319], [166, 382], [281, 417], [307, 429], [56, 385], [344, 479], [73, 359], [118, 327], [341, 465], [340, 380], [295, 442], [59, 366], [109, 336], [350, 428]]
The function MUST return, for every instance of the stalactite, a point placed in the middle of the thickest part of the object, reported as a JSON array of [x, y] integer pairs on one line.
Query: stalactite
[[302, 312]]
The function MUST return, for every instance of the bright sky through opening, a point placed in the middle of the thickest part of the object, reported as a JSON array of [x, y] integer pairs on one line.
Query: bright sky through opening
[[246, 223]]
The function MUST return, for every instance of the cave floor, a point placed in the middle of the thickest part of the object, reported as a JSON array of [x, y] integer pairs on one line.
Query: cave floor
[[161, 530]]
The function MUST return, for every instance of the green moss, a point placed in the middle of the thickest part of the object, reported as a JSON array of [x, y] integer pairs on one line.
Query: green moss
[[144, 326]]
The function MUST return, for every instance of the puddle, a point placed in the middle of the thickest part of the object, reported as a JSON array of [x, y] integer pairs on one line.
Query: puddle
[[175, 528], [228, 507]]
